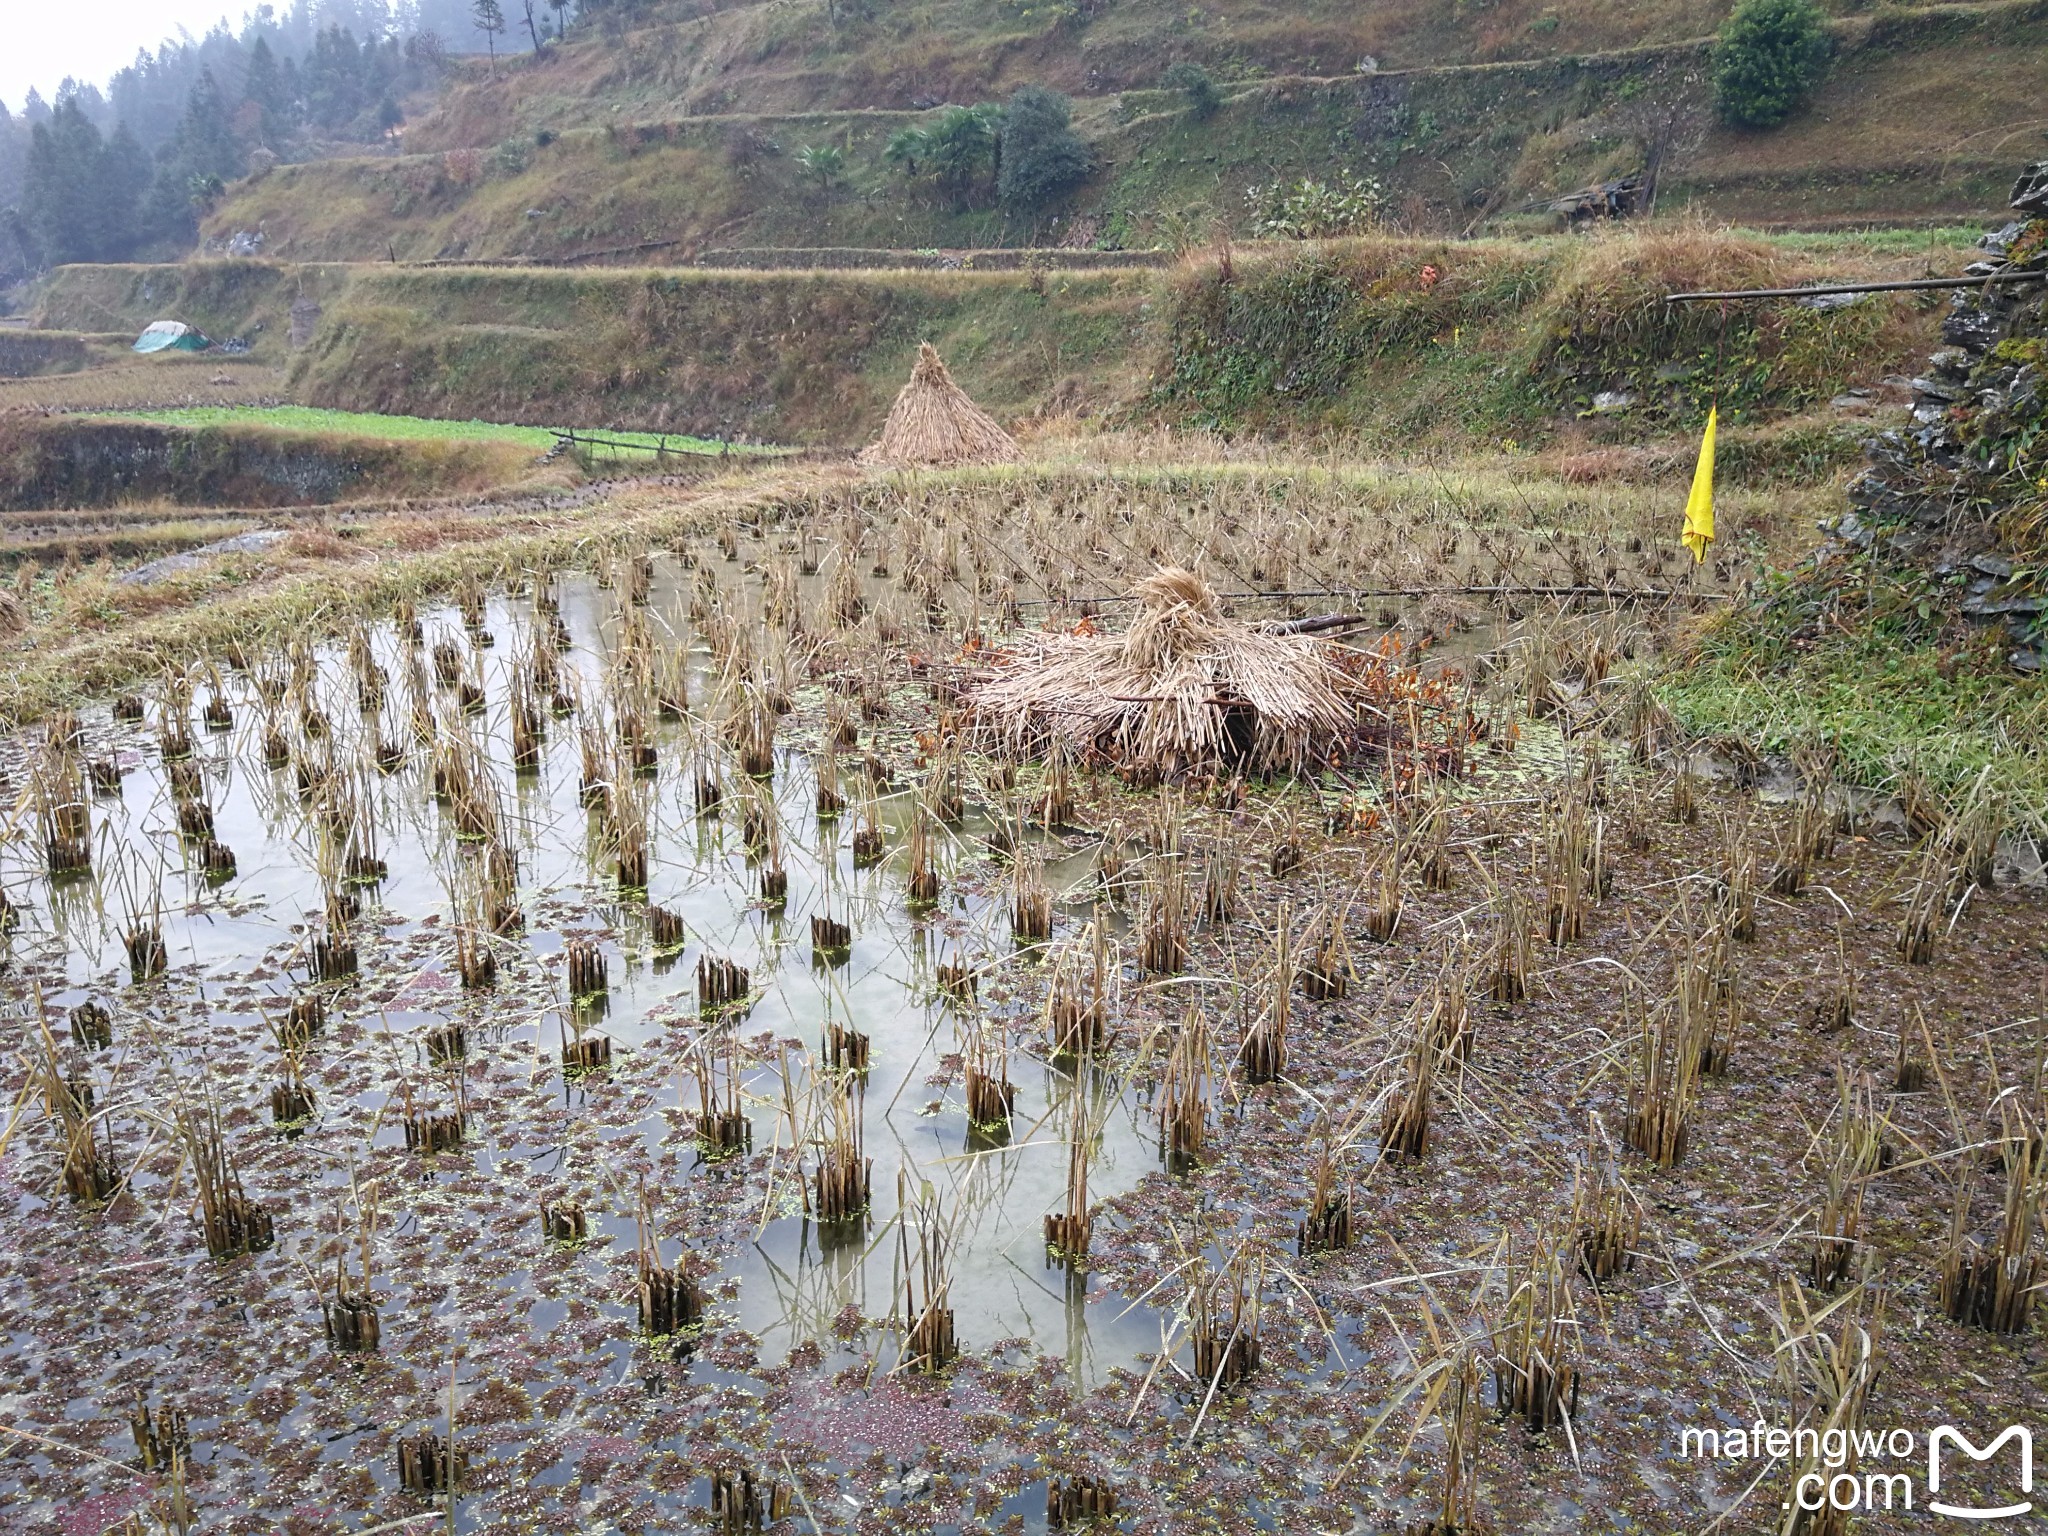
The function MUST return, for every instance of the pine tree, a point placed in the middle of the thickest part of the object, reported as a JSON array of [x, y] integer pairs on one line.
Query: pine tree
[[124, 177], [206, 145], [62, 201], [333, 75], [13, 156], [264, 85], [192, 168], [489, 18]]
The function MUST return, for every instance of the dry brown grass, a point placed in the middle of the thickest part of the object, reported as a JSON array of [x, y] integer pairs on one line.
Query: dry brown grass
[[125, 382]]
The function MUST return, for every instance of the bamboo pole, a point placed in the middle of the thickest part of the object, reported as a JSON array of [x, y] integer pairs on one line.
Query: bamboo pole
[[1909, 285]]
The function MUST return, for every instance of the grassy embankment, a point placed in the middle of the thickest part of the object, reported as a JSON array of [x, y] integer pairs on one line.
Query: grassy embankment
[[678, 59], [774, 356], [636, 154], [1511, 339]]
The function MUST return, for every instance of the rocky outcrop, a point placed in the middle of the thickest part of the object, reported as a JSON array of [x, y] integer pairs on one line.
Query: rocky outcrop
[[1941, 493]]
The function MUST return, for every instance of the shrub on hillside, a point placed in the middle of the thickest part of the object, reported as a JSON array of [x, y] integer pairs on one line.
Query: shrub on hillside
[[1192, 81], [955, 149], [1769, 57], [1314, 210], [1043, 159], [824, 164]]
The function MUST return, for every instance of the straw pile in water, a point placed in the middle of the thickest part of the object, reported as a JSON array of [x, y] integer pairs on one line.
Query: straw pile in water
[[934, 424], [1183, 690]]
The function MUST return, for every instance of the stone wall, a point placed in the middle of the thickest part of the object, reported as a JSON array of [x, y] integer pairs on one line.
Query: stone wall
[[1950, 492]]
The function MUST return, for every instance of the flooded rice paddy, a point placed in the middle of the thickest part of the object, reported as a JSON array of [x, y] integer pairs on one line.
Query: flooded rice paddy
[[467, 1277], [525, 1180]]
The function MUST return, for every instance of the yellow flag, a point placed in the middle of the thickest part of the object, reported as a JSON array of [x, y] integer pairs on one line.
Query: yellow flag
[[1699, 506]]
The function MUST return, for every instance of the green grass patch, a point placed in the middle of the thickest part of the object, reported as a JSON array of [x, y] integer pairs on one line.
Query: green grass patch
[[312, 419], [1887, 683], [1884, 711]]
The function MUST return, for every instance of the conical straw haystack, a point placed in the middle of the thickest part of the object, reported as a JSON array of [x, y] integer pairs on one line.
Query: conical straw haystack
[[933, 424], [1185, 689]]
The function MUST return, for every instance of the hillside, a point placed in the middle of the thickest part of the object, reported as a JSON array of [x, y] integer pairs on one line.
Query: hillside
[[662, 141], [694, 59]]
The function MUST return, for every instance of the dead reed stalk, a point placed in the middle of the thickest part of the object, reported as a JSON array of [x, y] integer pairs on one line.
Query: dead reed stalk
[[1183, 1095], [1067, 1231], [1163, 920], [349, 1309], [929, 1344], [1405, 1121], [722, 984], [839, 1183], [923, 882], [1263, 1053], [1835, 1008], [1082, 1499], [1827, 1379], [163, 1435], [1077, 1019], [723, 1129], [1927, 904], [1382, 880], [1327, 974], [831, 939], [1994, 1286], [1030, 901], [1534, 1336], [1606, 1223], [1457, 1512], [1911, 1065], [1327, 1227], [563, 1221], [990, 1094], [1224, 1320], [1663, 1092], [1838, 1225], [670, 1302], [1222, 870], [231, 1222], [742, 1502], [1508, 957], [90, 1175]]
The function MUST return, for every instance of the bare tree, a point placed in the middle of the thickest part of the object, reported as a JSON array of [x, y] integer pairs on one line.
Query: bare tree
[[489, 18]]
